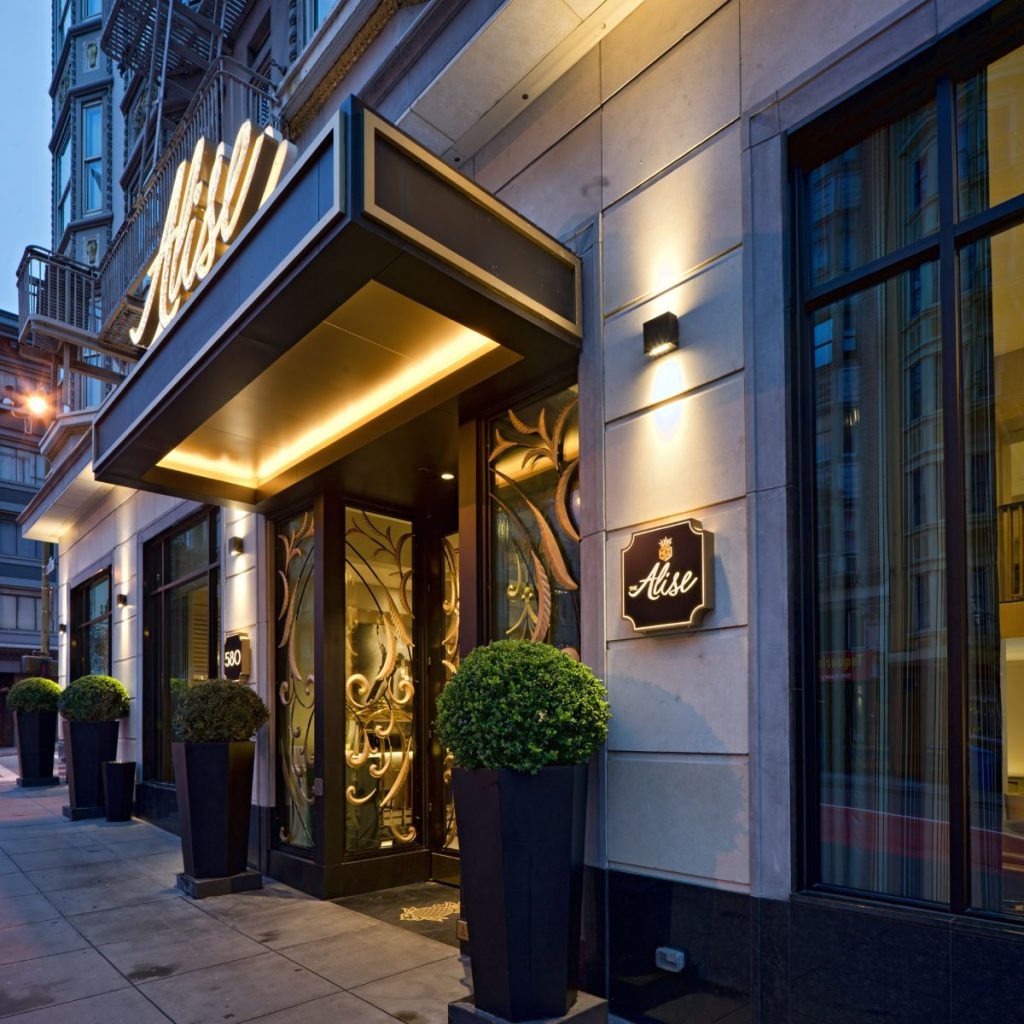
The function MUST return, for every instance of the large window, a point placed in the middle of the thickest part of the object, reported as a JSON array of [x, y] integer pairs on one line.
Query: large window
[[21, 466], [13, 544], [62, 188], [92, 157], [911, 278], [19, 611], [65, 16], [181, 629], [314, 13], [90, 627]]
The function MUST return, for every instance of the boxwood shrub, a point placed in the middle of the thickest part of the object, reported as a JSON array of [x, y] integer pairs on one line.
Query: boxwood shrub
[[33, 694], [93, 699], [522, 705], [218, 711]]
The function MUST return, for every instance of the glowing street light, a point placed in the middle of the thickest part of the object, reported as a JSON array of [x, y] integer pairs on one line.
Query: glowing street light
[[37, 405]]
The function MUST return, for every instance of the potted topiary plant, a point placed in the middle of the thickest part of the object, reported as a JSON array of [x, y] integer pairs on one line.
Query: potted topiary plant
[[522, 720], [213, 764], [34, 703], [92, 707]]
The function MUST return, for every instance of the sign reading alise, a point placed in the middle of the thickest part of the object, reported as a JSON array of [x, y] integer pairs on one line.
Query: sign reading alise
[[668, 576], [214, 196], [237, 657]]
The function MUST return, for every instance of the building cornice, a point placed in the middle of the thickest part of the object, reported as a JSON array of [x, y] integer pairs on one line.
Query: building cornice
[[296, 123]]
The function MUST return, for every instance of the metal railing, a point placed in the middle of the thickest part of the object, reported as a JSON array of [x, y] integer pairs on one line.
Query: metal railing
[[62, 301], [179, 31], [1011, 552], [229, 94], [57, 289]]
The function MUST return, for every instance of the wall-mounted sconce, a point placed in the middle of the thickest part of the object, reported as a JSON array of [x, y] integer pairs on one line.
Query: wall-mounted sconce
[[62, 628], [236, 545], [661, 335], [122, 600]]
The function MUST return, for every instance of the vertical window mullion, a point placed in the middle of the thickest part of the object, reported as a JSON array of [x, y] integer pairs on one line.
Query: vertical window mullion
[[955, 500]]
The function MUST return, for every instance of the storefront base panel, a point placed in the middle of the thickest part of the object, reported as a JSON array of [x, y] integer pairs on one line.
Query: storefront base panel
[[332, 881], [157, 803], [298, 872], [812, 960]]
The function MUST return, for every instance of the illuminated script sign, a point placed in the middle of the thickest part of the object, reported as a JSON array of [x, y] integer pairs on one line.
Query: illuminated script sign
[[668, 576], [214, 196]]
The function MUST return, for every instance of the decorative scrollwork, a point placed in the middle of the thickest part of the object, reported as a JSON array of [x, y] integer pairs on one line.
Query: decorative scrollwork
[[297, 693], [450, 606], [379, 742], [450, 661], [542, 568]]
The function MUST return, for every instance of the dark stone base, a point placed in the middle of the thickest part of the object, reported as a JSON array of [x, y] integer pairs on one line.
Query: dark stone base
[[45, 780], [826, 959], [587, 1009], [81, 813], [157, 803], [200, 888]]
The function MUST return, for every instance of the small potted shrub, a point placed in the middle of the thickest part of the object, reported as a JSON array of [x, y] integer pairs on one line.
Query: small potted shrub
[[34, 703], [522, 720], [213, 765], [92, 708]]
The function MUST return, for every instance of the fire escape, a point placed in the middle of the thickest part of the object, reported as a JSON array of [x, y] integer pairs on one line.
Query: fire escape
[[181, 85]]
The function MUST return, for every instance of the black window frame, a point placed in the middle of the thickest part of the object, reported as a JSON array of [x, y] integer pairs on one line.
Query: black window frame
[[155, 616], [79, 624], [929, 74]]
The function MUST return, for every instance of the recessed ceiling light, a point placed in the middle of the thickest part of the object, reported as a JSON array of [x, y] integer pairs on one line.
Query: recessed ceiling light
[[447, 476]]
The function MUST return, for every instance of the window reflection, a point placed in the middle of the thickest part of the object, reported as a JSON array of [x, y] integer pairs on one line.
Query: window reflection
[[857, 213], [881, 589], [990, 134], [991, 282], [181, 629], [90, 627]]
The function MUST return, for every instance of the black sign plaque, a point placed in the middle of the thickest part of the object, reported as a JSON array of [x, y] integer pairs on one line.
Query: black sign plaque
[[237, 657], [668, 576]]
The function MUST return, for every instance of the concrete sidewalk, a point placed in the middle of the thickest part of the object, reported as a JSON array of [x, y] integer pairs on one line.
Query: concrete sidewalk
[[93, 932]]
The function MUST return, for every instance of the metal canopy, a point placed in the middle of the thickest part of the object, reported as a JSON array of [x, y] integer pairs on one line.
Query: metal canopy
[[375, 284]]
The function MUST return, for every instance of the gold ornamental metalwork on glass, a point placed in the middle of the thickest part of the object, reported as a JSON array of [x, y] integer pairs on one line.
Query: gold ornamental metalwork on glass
[[297, 692], [379, 738]]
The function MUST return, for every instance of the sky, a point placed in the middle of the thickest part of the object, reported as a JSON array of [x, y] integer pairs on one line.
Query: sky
[[24, 136]]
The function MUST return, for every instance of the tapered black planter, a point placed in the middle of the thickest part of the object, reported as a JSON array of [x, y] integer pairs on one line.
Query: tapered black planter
[[521, 844], [86, 746], [119, 789], [36, 733], [214, 785]]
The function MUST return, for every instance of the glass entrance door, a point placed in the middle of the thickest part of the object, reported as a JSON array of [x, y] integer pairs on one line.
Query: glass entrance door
[[381, 682]]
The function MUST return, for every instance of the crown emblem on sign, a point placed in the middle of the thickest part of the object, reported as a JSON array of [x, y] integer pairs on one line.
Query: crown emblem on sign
[[664, 549]]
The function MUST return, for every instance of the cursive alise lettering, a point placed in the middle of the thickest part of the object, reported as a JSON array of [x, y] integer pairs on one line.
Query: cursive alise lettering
[[662, 582], [213, 197]]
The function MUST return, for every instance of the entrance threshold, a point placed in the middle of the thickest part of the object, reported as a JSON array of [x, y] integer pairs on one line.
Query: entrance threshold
[[429, 909]]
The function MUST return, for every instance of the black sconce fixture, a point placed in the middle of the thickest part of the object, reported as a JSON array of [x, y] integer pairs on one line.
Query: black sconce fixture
[[236, 545], [122, 600], [62, 628], [661, 335]]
